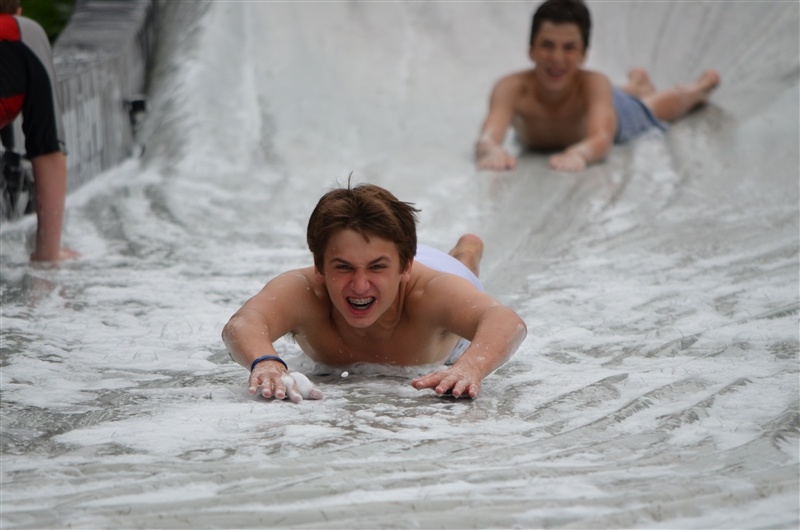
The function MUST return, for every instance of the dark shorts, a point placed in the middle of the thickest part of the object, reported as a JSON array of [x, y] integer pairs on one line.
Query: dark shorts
[[27, 85], [634, 118]]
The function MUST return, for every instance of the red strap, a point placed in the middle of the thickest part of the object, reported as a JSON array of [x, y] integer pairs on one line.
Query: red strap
[[9, 29], [10, 108]]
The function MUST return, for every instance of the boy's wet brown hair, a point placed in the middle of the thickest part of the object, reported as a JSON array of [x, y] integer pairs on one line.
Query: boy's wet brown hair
[[563, 12], [369, 210]]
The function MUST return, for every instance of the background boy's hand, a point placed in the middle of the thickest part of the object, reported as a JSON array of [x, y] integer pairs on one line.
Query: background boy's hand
[[497, 159], [568, 161]]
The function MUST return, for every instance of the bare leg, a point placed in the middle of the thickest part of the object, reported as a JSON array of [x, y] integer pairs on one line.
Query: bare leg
[[639, 83], [675, 102], [469, 251]]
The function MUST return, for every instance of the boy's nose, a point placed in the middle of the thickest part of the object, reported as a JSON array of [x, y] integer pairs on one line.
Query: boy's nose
[[360, 282]]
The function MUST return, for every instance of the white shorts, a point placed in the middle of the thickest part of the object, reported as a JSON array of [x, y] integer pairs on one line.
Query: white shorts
[[443, 262]]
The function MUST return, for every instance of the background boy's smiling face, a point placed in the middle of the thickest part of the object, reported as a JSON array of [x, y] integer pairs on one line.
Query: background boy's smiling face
[[558, 53]]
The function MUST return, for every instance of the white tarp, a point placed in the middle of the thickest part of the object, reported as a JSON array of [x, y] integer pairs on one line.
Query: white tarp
[[658, 386]]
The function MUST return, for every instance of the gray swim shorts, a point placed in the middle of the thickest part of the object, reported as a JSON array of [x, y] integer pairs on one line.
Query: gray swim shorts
[[443, 262], [634, 118]]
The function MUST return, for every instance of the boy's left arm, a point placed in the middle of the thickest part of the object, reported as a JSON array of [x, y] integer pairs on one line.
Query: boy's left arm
[[495, 331], [602, 123]]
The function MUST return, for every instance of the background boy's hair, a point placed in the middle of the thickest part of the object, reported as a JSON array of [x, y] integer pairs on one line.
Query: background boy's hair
[[9, 7], [563, 12]]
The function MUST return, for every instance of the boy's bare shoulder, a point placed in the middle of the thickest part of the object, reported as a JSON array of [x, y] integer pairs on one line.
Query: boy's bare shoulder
[[593, 80], [514, 81], [301, 275], [300, 283], [298, 296], [431, 291]]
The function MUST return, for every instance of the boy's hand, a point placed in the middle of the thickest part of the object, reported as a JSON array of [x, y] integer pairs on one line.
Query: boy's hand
[[568, 161], [298, 387], [275, 382], [496, 158], [460, 382], [266, 376]]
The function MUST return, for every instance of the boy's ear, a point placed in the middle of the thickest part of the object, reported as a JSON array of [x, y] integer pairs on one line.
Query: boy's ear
[[318, 275], [406, 275]]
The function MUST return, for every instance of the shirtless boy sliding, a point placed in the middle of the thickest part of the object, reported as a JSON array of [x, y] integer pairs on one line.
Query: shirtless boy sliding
[[374, 296], [559, 106]]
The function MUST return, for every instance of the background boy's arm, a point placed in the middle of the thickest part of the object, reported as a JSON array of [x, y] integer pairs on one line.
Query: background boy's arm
[[489, 148], [495, 332], [602, 123]]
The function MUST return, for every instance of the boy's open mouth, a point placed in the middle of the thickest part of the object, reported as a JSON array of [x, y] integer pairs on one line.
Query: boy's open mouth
[[361, 303]]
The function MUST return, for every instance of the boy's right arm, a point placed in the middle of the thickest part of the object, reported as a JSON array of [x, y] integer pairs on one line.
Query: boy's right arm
[[489, 148], [272, 313]]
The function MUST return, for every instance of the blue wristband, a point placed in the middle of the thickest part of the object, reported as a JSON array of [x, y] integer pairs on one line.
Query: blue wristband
[[268, 358]]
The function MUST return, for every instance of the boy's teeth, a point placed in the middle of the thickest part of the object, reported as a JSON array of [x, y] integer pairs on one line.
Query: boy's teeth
[[360, 302]]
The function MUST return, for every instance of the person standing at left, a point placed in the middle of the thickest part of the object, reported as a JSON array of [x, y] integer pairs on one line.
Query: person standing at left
[[28, 87]]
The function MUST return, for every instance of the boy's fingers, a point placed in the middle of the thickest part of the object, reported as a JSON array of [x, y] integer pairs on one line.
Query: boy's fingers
[[269, 382], [291, 388]]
